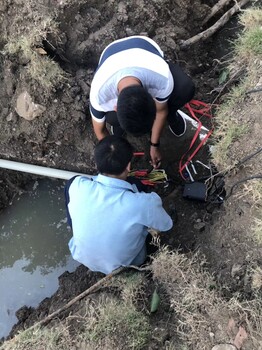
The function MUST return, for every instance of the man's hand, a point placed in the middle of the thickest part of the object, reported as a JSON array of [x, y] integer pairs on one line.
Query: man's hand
[[156, 157]]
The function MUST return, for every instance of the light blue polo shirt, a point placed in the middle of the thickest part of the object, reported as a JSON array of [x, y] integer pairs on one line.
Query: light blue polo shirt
[[110, 220]]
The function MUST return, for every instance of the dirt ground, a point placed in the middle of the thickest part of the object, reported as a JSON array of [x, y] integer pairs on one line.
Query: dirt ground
[[62, 137]]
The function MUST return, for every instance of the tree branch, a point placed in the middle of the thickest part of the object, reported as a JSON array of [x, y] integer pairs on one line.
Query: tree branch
[[218, 6], [210, 31]]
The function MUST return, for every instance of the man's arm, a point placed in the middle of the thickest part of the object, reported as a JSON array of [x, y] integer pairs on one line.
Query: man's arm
[[161, 116], [158, 218], [100, 129], [67, 199]]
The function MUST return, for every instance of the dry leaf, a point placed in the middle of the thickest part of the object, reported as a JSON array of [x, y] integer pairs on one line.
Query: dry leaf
[[40, 51], [240, 337]]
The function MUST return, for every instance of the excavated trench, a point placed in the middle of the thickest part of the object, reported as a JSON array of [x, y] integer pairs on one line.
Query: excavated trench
[[64, 138]]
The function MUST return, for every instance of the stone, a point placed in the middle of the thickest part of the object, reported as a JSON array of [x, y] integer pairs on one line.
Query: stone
[[3, 6], [85, 88], [11, 117], [5, 112], [26, 108], [200, 226], [237, 269], [224, 347]]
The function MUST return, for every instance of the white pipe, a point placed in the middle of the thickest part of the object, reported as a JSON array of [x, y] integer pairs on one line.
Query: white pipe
[[38, 170]]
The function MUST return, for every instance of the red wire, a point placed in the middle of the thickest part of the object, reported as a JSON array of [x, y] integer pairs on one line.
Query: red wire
[[204, 112]]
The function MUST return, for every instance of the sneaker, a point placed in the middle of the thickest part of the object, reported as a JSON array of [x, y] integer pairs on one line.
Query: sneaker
[[177, 125], [117, 131]]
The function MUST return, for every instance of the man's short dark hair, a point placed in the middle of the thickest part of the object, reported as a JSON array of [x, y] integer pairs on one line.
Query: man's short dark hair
[[112, 155], [136, 110]]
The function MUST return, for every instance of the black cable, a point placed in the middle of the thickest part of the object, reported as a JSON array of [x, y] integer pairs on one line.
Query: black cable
[[249, 157], [254, 90], [259, 176]]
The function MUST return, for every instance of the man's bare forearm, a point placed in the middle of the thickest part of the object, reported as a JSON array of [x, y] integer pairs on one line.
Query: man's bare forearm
[[158, 127]]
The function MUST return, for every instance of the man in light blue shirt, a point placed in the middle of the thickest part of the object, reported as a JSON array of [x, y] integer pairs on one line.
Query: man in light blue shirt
[[108, 215]]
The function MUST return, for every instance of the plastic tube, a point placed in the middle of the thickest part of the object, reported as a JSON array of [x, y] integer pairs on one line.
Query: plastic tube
[[38, 170]]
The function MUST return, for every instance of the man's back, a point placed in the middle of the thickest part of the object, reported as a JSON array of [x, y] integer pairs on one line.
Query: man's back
[[137, 56], [110, 219]]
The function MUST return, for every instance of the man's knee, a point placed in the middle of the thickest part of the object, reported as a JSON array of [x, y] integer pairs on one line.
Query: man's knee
[[111, 118], [189, 89], [184, 87]]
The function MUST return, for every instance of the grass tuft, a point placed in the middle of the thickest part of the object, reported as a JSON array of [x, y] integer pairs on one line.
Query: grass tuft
[[25, 46], [56, 338], [131, 286], [114, 322], [46, 72], [257, 278], [246, 62], [257, 230], [250, 43], [198, 305]]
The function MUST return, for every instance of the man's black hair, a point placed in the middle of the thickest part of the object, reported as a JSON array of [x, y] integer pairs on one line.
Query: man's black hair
[[136, 110], [112, 155]]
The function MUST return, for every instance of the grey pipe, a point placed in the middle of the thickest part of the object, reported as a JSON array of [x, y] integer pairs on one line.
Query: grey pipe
[[38, 170]]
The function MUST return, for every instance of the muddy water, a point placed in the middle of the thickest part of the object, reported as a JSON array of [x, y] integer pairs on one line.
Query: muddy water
[[33, 249]]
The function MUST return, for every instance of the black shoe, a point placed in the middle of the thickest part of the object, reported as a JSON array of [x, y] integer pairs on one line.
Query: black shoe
[[177, 125], [117, 131]]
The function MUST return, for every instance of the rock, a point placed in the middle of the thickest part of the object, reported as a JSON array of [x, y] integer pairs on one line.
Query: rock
[[79, 115], [5, 112], [23, 313], [26, 108], [80, 74], [11, 117], [224, 347], [237, 269], [200, 226], [160, 334], [3, 6], [67, 99], [85, 88]]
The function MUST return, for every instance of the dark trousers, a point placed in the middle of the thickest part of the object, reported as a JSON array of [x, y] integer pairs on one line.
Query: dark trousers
[[183, 92], [134, 181]]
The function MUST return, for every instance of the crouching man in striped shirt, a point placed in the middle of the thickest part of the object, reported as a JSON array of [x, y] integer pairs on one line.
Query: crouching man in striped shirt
[[136, 90]]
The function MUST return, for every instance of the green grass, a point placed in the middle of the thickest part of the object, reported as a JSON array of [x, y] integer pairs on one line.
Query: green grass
[[228, 127], [56, 338], [131, 284], [115, 322], [250, 43], [247, 57]]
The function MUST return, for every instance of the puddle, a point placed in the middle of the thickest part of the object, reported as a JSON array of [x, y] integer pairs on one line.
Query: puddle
[[33, 249]]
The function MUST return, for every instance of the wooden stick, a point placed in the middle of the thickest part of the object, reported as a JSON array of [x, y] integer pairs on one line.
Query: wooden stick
[[88, 291], [218, 6], [95, 287], [210, 31]]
